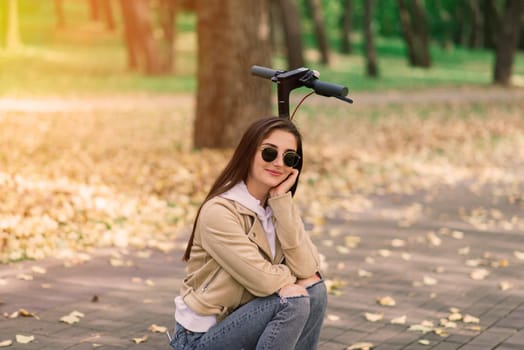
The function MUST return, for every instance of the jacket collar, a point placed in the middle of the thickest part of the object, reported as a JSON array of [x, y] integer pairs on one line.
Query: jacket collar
[[256, 232]]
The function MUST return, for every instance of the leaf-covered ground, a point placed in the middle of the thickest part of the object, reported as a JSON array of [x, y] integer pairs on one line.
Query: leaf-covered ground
[[120, 171]]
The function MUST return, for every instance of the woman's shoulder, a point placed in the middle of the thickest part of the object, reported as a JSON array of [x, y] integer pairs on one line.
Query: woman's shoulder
[[217, 207], [218, 213]]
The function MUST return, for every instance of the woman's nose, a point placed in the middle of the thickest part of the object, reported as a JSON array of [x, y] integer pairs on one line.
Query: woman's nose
[[279, 161]]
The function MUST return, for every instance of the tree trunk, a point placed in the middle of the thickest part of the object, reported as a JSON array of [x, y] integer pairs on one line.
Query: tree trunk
[[491, 23], [507, 43], [142, 48], [292, 33], [320, 31], [371, 56], [107, 10], [421, 28], [168, 11], [94, 10], [347, 25], [59, 13], [415, 33], [477, 25], [232, 36], [130, 37], [12, 40]]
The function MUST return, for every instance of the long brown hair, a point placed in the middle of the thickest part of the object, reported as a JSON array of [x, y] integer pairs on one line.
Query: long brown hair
[[238, 167]]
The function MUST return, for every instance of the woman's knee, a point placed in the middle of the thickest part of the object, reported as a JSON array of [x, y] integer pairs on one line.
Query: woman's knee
[[318, 295], [300, 306]]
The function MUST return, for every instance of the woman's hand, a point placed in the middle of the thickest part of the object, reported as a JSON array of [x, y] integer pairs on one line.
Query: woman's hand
[[292, 290], [306, 282], [285, 185]]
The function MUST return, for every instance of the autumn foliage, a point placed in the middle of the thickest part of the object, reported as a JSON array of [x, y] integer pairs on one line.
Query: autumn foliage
[[95, 174]]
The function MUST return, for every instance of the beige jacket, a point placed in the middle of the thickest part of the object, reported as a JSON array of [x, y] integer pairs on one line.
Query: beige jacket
[[231, 262]]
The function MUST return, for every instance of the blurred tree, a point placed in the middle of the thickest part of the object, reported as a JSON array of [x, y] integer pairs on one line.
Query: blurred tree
[[492, 22], [59, 14], [167, 12], [347, 26], [232, 36], [94, 9], [100, 10], [143, 51], [288, 13], [477, 24], [413, 20], [370, 53], [317, 14], [508, 38], [12, 39]]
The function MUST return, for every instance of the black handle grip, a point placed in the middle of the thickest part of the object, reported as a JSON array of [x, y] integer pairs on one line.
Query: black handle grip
[[264, 72], [329, 89]]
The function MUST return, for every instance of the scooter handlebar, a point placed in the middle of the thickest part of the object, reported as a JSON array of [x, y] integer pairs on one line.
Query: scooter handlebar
[[264, 72], [329, 89], [321, 87]]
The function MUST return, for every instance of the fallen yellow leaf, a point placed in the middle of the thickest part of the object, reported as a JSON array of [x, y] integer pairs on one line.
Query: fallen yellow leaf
[[352, 241], [333, 318], [479, 274], [519, 255], [420, 328], [373, 317], [72, 318], [399, 320], [455, 316], [24, 339], [386, 301], [25, 313], [38, 269], [430, 281], [470, 319], [360, 346], [157, 329], [140, 340], [6, 343], [364, 273], [505, 285], [397, 243], [342, 250]]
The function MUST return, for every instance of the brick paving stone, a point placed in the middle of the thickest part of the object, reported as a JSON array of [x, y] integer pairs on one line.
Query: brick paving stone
[[446, 346], [492, 337], [509, 347], [388, 346], [516, 339], [329, 332], [350, 337], [332, 346]]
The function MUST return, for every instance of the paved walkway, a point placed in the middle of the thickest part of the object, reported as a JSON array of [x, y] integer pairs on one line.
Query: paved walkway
[[457, 247]]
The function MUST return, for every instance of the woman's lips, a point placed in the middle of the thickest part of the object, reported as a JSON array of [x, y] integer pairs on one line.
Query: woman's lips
[[273, 172]]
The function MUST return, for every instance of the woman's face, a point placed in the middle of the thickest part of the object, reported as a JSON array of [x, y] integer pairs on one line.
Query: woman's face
[[265, 175]]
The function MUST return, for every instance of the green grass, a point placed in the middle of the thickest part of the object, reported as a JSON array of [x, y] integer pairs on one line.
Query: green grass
[[87, 59]]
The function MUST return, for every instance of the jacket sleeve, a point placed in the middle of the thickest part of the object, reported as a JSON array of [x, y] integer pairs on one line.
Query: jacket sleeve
[[225, 240], [301, 254]]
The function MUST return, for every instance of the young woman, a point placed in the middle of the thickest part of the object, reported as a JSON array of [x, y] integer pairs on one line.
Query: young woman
[[252, 271]]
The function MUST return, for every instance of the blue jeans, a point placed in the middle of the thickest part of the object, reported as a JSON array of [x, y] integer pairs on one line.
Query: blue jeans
[[269, 323]]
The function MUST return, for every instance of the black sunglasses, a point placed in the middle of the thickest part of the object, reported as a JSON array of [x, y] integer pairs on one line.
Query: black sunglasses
[[290, 158]]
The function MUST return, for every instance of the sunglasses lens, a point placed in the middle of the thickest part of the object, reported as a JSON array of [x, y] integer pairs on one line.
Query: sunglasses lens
[[291, 159], [269, 154]]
